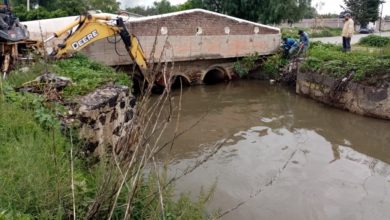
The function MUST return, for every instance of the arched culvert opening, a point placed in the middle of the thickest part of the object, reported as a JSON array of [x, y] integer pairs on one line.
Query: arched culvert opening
[[179, 82], [214, 76], [138, 84]]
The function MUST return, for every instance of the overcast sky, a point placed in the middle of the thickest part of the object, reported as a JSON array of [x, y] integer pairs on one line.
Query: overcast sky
[[333, 6], [330, 6]]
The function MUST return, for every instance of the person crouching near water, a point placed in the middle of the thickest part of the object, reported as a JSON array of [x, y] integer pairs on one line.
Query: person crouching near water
[[303, 42], [348, 29], [290, 46]]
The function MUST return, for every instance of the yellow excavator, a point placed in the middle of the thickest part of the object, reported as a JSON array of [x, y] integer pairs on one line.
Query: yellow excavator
[[87, 29]]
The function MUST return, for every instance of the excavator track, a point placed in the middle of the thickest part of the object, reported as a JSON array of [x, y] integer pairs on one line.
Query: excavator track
[[12, 53]]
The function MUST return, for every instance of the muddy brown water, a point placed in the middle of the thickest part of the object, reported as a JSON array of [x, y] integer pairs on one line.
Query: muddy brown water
[[287, 156]]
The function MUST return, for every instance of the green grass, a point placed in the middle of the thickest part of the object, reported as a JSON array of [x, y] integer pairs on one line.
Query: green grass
[[313, 32], [329, 59], [86, 74], [35, 177], [34, 169]]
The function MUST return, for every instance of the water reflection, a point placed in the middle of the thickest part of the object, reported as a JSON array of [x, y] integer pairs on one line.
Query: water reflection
[[340, 169]]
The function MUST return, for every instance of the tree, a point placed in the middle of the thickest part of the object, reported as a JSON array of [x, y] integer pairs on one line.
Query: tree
[[143, 11], [266, 11], [59, 8], [363, 11], [311, 13], [164, 6], [110, 6], [159, 7], [191, 4]]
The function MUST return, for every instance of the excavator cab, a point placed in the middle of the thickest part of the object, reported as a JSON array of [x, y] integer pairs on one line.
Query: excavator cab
[[11, 30], [14, 39]]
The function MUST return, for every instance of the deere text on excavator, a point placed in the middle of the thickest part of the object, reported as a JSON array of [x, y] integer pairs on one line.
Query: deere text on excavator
[[87, 29]]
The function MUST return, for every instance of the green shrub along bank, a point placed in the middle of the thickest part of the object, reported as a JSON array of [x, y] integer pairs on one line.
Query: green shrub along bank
[[35, 155], [372, 68], [313, 32], [375, 41], [272, 65], [244, 66], [268, 66], [87, 75]]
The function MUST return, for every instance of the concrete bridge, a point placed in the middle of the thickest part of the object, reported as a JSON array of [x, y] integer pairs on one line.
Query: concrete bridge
[[201, 45]]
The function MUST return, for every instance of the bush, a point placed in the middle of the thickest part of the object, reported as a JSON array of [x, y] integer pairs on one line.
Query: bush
[[313, 32], [329, 59], [86, 74], [272, 65], [375, 41], [245, 65]]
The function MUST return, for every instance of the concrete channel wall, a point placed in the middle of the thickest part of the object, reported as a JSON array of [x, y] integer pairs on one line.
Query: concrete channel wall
[[332, 23], [358, 98], [189, 36]]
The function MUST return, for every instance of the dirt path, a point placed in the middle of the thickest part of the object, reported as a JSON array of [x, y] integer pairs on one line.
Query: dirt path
[[338, 40]]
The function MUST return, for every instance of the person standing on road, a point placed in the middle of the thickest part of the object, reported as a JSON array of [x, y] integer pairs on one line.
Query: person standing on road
[[303, 42], [348, 30]]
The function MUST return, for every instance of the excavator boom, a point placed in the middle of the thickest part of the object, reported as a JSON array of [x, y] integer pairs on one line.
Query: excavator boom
[[91, 28]]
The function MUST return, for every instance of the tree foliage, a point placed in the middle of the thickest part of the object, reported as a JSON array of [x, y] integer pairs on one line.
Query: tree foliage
[[265, 11], [363, 11], [159, 7], [41, 9]]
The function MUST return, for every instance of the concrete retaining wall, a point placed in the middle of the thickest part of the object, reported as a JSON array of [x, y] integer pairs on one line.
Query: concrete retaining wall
[[361, 99], [332, 23]]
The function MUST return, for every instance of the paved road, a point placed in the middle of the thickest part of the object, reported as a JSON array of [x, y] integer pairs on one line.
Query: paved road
[[338, 40]]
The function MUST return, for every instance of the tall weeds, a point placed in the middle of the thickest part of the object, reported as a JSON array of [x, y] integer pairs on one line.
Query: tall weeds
[[42, 176]]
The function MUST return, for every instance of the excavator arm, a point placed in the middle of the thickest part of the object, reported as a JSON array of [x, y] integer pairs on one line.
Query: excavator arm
[[91, 28]]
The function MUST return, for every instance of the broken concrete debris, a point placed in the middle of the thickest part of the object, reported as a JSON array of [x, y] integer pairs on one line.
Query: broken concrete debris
[[45, 81]]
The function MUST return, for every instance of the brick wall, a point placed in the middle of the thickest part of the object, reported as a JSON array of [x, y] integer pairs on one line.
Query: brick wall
[[180, 36], [188, 24], [191, 35]]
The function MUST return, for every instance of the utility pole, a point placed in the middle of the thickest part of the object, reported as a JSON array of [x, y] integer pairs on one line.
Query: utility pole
[[28, 5], [381, 17]]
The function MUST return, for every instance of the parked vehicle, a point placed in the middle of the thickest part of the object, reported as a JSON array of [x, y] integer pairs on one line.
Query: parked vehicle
[[366, 30]]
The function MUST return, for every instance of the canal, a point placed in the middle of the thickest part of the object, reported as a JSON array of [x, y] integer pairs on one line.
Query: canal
[[285, 156]]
